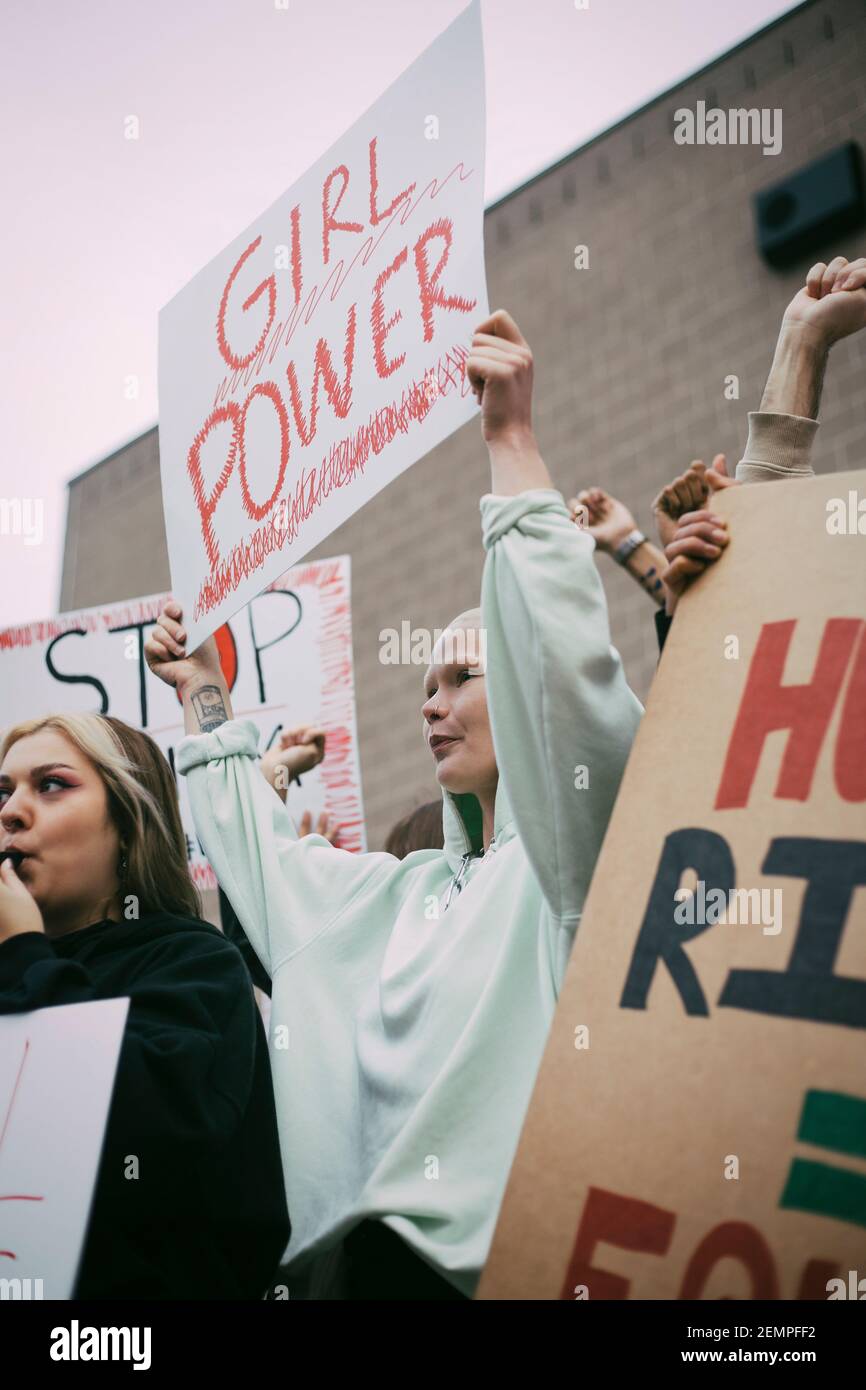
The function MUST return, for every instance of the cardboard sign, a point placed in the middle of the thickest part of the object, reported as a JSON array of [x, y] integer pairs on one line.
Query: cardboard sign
[[324, 350], [287, 659], [698, 1126], [57, 1069]]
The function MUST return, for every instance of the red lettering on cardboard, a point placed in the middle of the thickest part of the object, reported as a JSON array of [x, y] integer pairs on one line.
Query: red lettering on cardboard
[[732, 1240], [849, 767], [768, 705], [622, 1221]]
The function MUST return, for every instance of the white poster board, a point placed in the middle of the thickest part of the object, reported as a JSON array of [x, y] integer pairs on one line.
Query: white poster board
[[57, 1069], [323, 351], [287, 659]]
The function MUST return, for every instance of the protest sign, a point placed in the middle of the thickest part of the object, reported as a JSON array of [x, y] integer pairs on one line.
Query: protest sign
[[323, 351], [698, 1125], [287, 659], [57, 1070]]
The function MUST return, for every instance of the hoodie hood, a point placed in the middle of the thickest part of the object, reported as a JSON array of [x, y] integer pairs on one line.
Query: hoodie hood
[[108, 937], [462, 823]]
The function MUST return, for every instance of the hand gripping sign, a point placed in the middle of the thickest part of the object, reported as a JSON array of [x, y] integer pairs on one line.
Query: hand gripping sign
[[323, 352]]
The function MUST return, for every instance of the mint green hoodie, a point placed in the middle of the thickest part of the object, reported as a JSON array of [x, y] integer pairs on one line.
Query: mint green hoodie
[[414, 1033]]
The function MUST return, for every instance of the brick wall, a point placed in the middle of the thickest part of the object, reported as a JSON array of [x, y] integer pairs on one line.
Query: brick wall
[[631, 357]]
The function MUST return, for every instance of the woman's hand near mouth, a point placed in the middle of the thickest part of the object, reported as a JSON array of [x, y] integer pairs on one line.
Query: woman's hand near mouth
[[18, 911]]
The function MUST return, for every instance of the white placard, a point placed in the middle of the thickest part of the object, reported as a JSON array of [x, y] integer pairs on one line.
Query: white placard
[[323, 351], [287, 659], [57, 1069]]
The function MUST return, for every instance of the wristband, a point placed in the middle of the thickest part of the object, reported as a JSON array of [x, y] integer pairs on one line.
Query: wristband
[[628, 546]]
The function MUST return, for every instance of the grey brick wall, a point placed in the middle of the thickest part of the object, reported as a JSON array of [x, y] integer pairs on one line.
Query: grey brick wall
[[631, 356]]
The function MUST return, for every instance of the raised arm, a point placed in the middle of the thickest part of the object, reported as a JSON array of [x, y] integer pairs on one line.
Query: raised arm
[[284, 888], [830, 306], [615, 532], [500, 373], [562, 714]]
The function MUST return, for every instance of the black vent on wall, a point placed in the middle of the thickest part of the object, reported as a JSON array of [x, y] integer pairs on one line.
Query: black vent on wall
[[810, 210]]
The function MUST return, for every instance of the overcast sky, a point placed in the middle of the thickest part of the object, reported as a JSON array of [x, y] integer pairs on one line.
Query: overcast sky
[[235, 98]]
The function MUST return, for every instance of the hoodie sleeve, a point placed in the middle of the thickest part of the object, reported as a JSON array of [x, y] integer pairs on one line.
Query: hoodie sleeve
[[285, 889], [562, 715], [778, 447]]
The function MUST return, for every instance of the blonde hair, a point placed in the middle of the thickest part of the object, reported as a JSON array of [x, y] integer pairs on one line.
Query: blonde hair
[[142, 803]]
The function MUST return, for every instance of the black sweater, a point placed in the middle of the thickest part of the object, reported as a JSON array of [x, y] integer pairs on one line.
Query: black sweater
[[193, 1101], [663, 627], [233, 930]]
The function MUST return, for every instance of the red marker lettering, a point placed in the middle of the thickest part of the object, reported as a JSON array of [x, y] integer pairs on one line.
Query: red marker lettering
[[338, 393], [269, 390], [297, 281], [329, 222], [735, 1240], [381, 329], [207, 505], [270, 285], [375, 216], [849, 767], [432, 295], [768, 705], [622, 1221]]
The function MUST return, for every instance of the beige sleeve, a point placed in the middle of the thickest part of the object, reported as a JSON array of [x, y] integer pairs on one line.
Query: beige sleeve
[[779, 446]]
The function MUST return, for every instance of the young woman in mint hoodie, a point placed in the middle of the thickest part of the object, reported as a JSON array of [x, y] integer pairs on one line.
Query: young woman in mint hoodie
[[415, 995]]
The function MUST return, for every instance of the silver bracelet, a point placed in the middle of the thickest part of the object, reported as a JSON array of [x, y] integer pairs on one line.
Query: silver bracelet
[[628, 546]]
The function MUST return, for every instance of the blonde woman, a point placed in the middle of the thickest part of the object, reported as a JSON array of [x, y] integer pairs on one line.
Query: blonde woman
[[96, 902]]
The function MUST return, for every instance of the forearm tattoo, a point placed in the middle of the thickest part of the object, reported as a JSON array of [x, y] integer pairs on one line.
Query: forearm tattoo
[[650, 581], [207, 703]]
